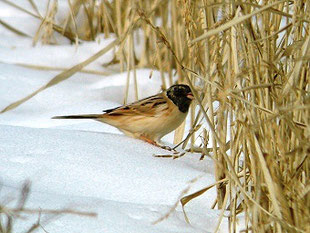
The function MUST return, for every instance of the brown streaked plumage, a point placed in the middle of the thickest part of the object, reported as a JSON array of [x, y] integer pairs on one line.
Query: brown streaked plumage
[[148, 119]]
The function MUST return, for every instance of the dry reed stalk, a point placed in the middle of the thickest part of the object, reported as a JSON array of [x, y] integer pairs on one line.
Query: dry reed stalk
[[55, 68], [13, 29], [66, 74], [252, 57], [8, 215], [129, 53], [68, 34], [45, 30], [71, 16]]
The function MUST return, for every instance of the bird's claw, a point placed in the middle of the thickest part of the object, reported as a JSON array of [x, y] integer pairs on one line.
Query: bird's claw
[[167, 148]]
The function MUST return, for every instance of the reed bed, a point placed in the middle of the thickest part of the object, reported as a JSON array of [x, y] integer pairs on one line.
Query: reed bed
[[252, 58]]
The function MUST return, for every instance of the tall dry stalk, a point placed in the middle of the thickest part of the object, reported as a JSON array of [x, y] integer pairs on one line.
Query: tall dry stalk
[[252, 59]]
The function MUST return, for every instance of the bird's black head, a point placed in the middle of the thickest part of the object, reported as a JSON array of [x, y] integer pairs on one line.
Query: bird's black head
[[181, 95]]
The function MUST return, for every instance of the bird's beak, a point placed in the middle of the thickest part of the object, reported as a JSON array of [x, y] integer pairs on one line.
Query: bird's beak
[[190, 96]]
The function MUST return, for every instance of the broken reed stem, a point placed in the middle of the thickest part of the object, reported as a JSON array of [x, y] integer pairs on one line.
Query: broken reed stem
[[50, 211], [9, 215]]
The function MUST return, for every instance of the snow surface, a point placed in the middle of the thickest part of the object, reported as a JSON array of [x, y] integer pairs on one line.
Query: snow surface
[[85, 165]]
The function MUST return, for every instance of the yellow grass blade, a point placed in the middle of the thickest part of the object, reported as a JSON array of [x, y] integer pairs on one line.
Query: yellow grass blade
[[234, 22], [64, 75]]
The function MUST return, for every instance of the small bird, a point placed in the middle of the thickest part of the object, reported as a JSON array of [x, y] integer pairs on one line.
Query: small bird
[[147, 119]]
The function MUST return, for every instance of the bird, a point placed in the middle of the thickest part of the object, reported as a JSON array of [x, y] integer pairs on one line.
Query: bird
[[148, 119]]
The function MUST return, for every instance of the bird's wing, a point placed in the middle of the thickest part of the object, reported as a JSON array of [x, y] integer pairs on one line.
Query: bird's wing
[[151, 106]]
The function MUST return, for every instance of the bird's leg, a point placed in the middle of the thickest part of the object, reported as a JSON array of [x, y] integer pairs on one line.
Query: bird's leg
[[156, 144], [148, 140]]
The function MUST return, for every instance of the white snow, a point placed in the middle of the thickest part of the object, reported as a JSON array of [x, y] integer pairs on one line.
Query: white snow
[[85, 165]]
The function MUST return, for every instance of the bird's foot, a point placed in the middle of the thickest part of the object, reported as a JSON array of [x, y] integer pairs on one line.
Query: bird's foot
[[173, 156], [156, 144]]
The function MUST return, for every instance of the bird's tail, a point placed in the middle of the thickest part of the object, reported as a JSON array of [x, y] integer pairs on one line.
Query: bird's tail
[[86, 116]]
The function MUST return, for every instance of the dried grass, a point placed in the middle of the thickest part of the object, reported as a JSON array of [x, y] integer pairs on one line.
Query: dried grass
[[252, 57], [8, 215]]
